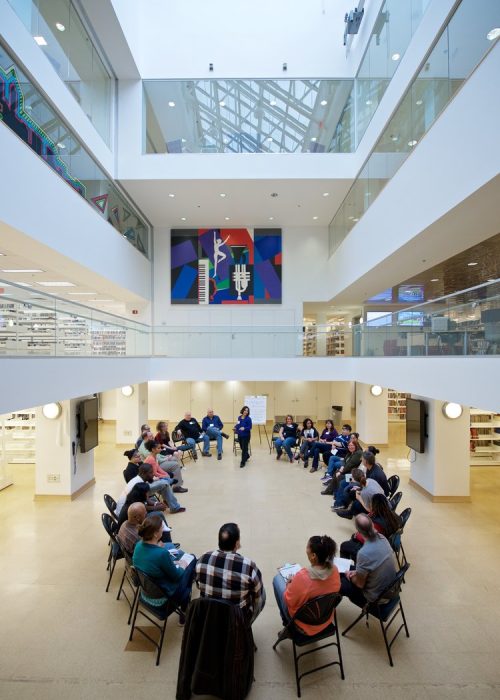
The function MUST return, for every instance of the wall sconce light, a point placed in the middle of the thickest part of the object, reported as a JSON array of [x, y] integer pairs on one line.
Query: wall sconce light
[[52, 410], [127, 390], [452, 410], [376, 390]]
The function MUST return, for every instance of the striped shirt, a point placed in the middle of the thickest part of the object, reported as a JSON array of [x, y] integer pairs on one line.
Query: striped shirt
[[230, 576]]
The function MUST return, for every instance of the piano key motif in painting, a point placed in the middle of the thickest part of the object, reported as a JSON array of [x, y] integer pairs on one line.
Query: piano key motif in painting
[[226, 266]]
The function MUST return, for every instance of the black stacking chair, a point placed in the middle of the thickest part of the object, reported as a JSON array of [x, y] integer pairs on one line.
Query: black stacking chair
[[110, 504], [393, 483], [394, 501], [131, 579], [114, 552], [156, 614], [274, 435], [315, 612], [396, 539], [386, 608]]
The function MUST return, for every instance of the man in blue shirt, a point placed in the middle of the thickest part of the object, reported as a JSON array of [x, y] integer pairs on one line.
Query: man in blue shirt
[[341, 441], [212, 426]]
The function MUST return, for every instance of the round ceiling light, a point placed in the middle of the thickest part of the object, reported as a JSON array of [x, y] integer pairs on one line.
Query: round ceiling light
[[376, 390], [127, 390], [493, 34], [52, 410], [452, 410]]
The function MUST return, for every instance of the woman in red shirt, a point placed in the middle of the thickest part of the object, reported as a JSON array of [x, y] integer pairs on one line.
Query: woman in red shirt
[[320, 578]]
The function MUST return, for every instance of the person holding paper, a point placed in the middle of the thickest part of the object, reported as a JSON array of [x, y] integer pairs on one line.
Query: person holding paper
[[153, 559], [320, 578]]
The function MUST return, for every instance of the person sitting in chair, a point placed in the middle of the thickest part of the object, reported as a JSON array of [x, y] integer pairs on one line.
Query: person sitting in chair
[[309, 435], [320, 578], [128, 534], [212, 426], [193, 433], [375, 566], [134, 462], [287, 438], [323, 446]]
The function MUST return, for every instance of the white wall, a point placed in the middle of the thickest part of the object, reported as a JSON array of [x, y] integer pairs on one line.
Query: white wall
[[305, 253], [371, 415], [180, 38]]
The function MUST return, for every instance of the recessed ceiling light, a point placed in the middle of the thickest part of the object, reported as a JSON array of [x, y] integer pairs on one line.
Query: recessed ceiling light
[[171, 195], [394, 137], [396, 56], [315, 218], [56, 284], [326, 194], [183, 141], [314, 138], [226, 218], [493, 34], [222, 194], [323, 103], [355, 219], [419, 102], [222, 103], [491, 280], [350, 218], [81, 294], [269, 138], [273, 103], [60, 145], [412, 143], [40, 40], [60, 26], [368, 102], [171, 103], [271, 218], [435, 279], [183, 218], [471, 264], [19, 270]]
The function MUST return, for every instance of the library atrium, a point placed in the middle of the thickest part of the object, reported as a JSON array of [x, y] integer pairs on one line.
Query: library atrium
[[308, 199]]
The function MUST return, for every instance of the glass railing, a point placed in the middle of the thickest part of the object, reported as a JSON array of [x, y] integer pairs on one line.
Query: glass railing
[[25, 110], [279, 116], [460, 47], [57, 28], [34, 323]]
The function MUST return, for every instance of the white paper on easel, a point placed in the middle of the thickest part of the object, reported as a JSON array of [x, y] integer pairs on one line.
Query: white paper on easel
[[258, 409]]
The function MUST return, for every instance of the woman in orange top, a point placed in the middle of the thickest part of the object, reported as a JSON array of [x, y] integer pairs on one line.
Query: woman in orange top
[[320, 578]]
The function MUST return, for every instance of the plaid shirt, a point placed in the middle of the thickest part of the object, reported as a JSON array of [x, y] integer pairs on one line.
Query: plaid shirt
[[128, 536], [230, 576]]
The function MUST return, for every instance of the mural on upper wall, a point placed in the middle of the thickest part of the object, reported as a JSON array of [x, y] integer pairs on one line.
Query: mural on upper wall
[[13, 114], [225, 266]]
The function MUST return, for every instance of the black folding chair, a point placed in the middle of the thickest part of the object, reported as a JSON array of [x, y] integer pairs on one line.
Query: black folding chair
[[394, 501], [274, 436], [131, 579], [386, 608], [316, 611], [114, 553], [393, 483], [110, 504], [157, 614], [237, 448], [396, 539]]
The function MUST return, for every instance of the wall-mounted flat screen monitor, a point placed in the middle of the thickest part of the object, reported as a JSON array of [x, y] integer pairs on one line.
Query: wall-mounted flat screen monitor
[[378, 318], [411, 293], [410, 318], [88, 423], [415, 425], [385, 296]]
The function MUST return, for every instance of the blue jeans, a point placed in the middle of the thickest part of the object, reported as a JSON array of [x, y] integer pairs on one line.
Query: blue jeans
[[214, 434], [191, 443], [334, 463], [163, 487], [279, 587], [286, 444]]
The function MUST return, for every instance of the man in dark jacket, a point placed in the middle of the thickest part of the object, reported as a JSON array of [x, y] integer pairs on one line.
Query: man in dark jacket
[[375, 471], [192, 432]]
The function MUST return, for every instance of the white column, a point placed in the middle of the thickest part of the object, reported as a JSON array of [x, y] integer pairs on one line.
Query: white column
[[371, 415], [131, 413], [442, 472], [61, 469]]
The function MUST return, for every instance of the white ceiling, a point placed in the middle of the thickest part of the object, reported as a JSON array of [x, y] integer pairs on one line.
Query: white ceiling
[[247, 202]]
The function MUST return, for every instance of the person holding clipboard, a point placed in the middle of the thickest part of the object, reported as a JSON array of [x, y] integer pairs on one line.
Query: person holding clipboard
[[243, 431]]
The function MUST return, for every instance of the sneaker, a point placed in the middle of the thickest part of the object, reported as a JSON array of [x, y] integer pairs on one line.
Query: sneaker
[[291, 460], [179, 489], [278, 456], [178, 510], [206, 454], [194, 455], [219, 456], [313, 469], [242, 465], [325, 479], [306, 464], [344, 513], [225, 435]]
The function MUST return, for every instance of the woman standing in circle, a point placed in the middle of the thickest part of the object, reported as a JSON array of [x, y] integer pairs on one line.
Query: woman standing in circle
[[243, 430]]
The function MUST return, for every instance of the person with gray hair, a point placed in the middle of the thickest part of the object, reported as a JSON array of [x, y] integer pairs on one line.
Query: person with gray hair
[[375, 566]]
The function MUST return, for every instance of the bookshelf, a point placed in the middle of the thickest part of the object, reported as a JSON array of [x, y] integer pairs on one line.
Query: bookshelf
[[17, 438], [484, 438], [310, 340], [396, 405]]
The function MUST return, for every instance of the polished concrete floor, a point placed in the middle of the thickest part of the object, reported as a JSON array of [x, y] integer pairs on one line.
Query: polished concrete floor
[[62, 636]]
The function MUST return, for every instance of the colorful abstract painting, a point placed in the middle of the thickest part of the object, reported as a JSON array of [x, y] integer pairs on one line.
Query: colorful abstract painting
[[225, 266]]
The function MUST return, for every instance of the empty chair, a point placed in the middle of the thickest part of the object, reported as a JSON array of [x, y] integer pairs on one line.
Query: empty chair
[[153, 605], [316, 611], [115, 551], [393, 483], [394, 501], [110, 504], [386, 608]]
